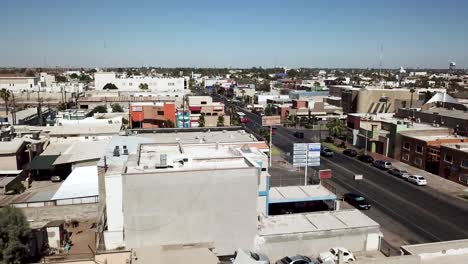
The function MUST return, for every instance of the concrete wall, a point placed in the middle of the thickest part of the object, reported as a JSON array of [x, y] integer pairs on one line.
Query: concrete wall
[[64, 212], [368, 101], [132, 84], [8, 162], [278, 246], [218, 206]]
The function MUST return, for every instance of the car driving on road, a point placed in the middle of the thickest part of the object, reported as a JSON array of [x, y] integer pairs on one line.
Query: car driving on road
[[357, 201], [350, 152], [399, 173], [299, 134], [326, 152], [418, 180]]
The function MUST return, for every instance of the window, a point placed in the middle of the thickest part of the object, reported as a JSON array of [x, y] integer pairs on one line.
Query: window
[[418, 162], [203, 102], [406, 146], [448, 158], [405, 157], [171, 84], [160, 112], [419, 149], [463, 178], [130, 84], [464, 163]]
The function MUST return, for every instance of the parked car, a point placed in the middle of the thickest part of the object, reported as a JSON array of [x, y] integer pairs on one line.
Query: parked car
[[382, 164], [299, 134], [298, 259], [55, 179], [326, 152], [418, 180], [273, 131], [245, 256], [399, 173], [333, 255], [365, 158], [357, 201], [350, 152]]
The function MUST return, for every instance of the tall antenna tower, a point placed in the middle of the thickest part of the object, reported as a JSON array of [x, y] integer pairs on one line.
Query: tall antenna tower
[[381, 57]]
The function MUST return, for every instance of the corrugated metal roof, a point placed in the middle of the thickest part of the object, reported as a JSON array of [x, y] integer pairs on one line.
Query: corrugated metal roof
[[82, 182]]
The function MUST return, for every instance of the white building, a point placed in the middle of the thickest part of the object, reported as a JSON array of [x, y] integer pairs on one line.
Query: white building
[[47, 79], [169, 86], [18, 84]]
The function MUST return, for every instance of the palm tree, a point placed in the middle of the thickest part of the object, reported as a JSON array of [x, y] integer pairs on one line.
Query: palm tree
[[5, 95], [412, 90], [335, 127]]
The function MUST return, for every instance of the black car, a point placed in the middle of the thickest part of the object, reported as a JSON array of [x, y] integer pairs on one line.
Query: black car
[[326, 152], [350, 152], [299, 134], [357, 201], [365, 158]]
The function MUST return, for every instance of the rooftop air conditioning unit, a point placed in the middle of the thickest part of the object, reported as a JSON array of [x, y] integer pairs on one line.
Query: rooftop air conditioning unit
[[125, 150], [116, 152]]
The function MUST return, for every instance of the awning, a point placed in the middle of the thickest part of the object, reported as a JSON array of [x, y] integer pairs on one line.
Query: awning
[[43, 162]]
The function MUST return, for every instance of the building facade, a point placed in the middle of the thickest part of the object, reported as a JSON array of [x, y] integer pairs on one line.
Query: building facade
[[152, 115], [168, 86], [454, 162]]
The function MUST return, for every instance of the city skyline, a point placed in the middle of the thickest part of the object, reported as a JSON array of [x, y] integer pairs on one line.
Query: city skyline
[[335, 34]]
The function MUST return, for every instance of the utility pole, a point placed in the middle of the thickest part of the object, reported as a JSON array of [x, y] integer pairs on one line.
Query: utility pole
[[39, 108], [307, 165], [271, 136]]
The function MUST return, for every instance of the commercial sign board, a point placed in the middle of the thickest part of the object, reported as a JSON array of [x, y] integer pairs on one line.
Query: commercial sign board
[[358, 177], [325, 174], [306, 154], [271, 120]]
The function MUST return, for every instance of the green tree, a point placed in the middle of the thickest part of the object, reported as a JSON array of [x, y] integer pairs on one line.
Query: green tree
[[143, 86], [14, 236], [292, 73], [220, 121], [5, 95], [268, 110], [85, 78], [116, 108], [335, 127], [100, 109], [60, 78], [110, 86], [74, 76], [201, 120]]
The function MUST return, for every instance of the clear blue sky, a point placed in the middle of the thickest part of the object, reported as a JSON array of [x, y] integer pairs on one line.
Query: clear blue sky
[[309, 33]]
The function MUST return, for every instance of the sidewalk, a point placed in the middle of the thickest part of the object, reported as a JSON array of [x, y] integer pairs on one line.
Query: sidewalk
[[434, 181]]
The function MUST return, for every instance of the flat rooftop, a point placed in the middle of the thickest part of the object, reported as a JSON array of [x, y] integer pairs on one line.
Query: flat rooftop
[[185, 157], [10, 147], [458, 146], [300, 194], [315, 222], [441, 137], [448, 113], [200, 136], [436, 247]]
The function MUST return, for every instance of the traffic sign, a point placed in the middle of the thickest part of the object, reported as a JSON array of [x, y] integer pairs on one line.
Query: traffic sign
[[271, 120]]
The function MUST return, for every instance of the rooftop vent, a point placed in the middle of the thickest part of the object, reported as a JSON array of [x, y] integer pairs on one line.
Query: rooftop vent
[[116, 152], [125, 150], [163, 160]]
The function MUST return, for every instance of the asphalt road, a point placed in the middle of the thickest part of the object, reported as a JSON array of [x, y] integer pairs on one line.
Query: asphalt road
[[417, 214]]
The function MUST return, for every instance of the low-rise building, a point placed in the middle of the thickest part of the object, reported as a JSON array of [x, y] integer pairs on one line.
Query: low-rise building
[[140, 83], [152, 115], [422, 149], [211, 111], [13, 154], [454, 162], [19, 83]]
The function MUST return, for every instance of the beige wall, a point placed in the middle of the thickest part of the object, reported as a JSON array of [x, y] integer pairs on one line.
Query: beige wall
[[206, 206], [368, 100], [8, 162]]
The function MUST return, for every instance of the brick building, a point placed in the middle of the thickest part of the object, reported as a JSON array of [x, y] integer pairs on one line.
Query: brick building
[[454, 162], [422, 149], [152, 114]]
